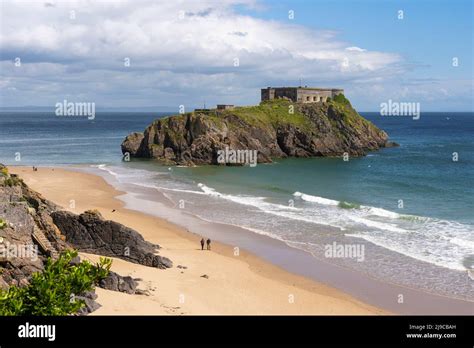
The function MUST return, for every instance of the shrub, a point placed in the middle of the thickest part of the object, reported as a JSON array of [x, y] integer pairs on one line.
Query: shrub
[[54, 291], [3, 223], [12, 181], [341, 99]]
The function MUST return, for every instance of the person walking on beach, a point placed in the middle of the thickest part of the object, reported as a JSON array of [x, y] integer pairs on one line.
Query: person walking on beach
[[202, 243], [208, 244]]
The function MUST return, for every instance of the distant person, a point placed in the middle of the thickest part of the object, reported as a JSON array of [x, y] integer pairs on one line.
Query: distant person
[[208, 244], [202, 244]]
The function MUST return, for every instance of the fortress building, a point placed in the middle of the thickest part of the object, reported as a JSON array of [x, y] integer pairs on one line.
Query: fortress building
[[300, 94], [225, 107]]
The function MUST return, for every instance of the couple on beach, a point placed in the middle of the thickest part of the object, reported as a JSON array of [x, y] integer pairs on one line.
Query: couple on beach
[[208, 242]]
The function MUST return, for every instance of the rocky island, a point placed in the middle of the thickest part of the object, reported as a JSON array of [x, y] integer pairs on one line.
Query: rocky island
[[277, 128]]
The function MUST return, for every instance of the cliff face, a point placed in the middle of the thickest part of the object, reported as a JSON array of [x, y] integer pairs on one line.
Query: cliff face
[[25, 222], [277, 128], [33, 229]]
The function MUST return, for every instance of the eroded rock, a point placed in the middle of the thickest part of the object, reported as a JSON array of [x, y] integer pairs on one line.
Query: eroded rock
[[89, 232]]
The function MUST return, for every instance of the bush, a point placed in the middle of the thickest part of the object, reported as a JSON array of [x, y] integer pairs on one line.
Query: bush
[[3, 223], [12, 181], [54, 291], [341, 99]]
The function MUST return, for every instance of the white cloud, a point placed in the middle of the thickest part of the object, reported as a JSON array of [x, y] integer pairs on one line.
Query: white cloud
[[172, 56], [354, 48]]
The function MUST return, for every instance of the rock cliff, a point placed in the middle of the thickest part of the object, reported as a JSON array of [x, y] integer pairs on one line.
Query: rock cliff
[[32, 229], [90, 233], [27, 234], [276, 129]]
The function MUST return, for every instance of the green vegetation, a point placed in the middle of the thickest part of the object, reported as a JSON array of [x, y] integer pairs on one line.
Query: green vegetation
[[54, 291], [4, 171], [12, 181], [280, 112], [3, 224], [350, 116], [341, 99], [274, 113]]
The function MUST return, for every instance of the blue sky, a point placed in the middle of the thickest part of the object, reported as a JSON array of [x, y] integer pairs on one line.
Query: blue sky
[[188, 53], [431, 33]]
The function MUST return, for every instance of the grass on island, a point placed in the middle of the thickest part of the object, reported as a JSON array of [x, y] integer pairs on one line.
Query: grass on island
[[350, 115], [279, 112], [275, 113]]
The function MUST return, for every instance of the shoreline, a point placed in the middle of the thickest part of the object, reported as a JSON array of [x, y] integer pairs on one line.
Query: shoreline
[[361, 285], [274, 259], [236, 285]]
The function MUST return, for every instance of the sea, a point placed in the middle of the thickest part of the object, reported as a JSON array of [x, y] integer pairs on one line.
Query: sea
[[411, 207]]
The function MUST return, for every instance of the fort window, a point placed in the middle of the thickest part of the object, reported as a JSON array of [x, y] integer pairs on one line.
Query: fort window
[[307, 98], [314, 98]]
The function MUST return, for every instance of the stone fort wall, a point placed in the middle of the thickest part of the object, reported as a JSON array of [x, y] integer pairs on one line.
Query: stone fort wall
[[300, 95]]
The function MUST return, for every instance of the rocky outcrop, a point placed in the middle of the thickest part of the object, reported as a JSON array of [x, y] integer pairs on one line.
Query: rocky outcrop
[[24, 214], [116, 282], [132, 142], [32, 229], [276, 129], [89, 232], [90, 304]]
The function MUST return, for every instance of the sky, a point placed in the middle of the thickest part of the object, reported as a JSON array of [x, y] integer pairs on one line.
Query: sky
[[138, 54]]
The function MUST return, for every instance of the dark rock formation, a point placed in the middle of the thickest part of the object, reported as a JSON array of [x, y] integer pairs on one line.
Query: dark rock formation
[[89, 298], [25, 214], [277, 128], [132, 143], [89, 232], [391, 144], [27, 223], [116, 282]]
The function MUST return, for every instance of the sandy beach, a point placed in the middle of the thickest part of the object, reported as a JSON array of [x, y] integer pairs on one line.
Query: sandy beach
[[212, 282]]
